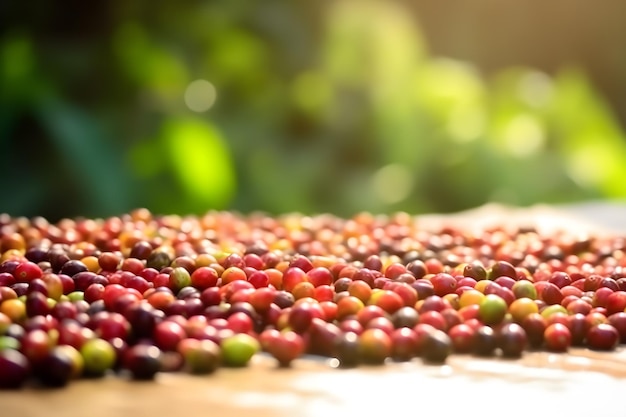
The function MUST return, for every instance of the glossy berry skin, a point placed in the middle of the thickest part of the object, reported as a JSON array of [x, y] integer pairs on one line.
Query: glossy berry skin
[[403, 344], [200, 356], [286, 347], [238, 349], [388, 300], [64, 310], [99, 356], [179, 278], [167, 335], [521, 308], [577, 326], [321, 337], [36, 345], [142, 318], [436, 347], [435, 319], [475, 270], [319, 276], [603, 336], [259, 279], [502, 268], [462, 337], [492, 309], [618, 320], [424, 288], [405, 317], [27, 271], [14, 369], [375, 346], [485, 341], [616, 302], [142, 361], [56, 369], [73, 333], [37, 304], [524, 288], [301, 316], [109, 261], [346, 349], [443, 284], [535, 325], [512, 340], [558, 337], [109, 325], [551, 294]]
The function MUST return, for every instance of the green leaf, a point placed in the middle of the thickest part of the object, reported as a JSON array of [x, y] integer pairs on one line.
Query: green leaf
[[201, 161], [98, 167]]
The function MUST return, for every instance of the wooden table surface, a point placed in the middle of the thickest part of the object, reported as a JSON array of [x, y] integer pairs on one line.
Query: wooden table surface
[[578, 383]]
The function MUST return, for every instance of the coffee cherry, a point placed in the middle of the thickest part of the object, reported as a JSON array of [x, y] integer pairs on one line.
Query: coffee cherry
[[141, 293], [167, 334], [57, 368], [14, 369], [286, 347], [443, 283], [27, 271], [73, 267], [603, 336], [462, 337], [485, 341], [158, 259], [475, 270], [179, 278], [405, 317], [577, 325], [200, 356], [492, 309], [436, 347], [142, 361], [347, 349], [109, 261], [321, 337], [618, 320], [558, 337], [237, 350], [521, 308], [502, 268], [524, 288], [512, 340], [99, 356], [403, 344], [375, 346]]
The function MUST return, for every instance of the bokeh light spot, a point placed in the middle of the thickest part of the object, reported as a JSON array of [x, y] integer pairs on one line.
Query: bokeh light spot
[[588, 166], [392, 183], [466, 123], [200, 95], [311, 91], [524, 136], [535, 88]]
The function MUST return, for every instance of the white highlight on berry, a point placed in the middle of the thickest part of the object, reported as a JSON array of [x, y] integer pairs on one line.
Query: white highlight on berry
[[200, 95]]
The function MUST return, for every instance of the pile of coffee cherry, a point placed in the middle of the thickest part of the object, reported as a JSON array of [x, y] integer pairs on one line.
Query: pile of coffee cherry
[[141, 294]]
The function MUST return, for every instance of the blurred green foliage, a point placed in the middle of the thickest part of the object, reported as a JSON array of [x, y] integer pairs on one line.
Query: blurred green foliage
[[320, 107]]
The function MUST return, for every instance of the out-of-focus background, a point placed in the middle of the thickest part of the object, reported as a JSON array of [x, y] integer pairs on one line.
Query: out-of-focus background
[[313, 106]]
